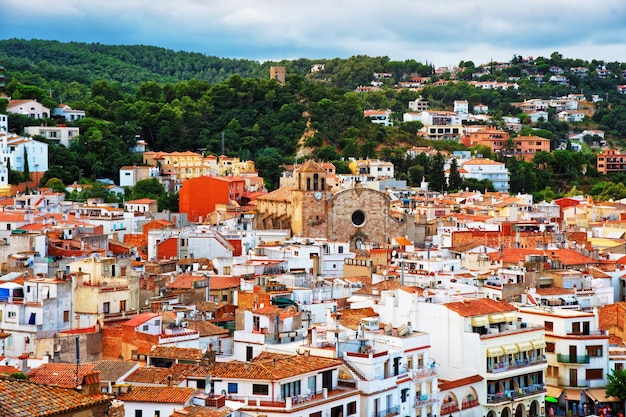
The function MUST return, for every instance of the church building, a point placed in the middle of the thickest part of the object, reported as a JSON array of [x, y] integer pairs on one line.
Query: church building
[[310, 209]]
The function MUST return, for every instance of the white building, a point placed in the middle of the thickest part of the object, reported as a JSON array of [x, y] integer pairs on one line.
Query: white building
[[577, 352], [486, 169], [484, 337], [4, 123], [30, 108], [381, 117], [62, 135], [69, 114]]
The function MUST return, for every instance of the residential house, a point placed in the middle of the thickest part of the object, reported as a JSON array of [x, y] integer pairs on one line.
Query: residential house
[[461, 107], [130, 175], [610, 161], [61, 134], [33, 311], [104, 289], [418, 105], [507, 355], [526, 147], [28, 107], [4, 123], [145, 206], [148, 401], [486, 169], [67, 113], [571, 116], [381, 117], [26, 398], [113, 372], [538, 116], [439, 125], [480, 108], [199, 196], [577, 351]]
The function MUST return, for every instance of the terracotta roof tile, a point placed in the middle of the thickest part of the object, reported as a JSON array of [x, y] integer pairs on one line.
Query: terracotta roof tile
[[61, 374], [140, 319], [159, 376], [146, 394], [198, 411], [113, 370], [450, 384], [173, 352], [27, 399], [206, 328], [469, 308]]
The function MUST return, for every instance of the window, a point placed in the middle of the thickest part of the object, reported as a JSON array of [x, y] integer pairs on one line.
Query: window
[[224, 297], [404, 396], [106, 307], [340, 249], [157, 413], [576, 327], [12, 314], [549, 347], [233, 388], [145, 327], [138, 413], [594, 351], [351, 409], [122, 305], [66, 316], [549, 325], [619, 366], [594, 373], [260, 389]]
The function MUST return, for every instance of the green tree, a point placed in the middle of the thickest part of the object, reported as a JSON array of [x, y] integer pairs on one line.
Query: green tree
[[616, 384], [55, 184], [437, 179], [148, 188], [455, 181]]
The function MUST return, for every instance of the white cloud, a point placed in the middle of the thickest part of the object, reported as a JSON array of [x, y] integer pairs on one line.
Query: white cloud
[[442, 32]]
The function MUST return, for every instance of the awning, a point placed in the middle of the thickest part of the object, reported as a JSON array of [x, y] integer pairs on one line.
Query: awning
[[572, 394], [509, 349], [599, 395], [496, 318], [538, 344], [510, 316], [554, 391], [480, 321], [494, 352], [524, 346]]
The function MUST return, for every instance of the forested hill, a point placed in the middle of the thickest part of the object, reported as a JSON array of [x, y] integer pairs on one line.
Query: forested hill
[[129, 65]]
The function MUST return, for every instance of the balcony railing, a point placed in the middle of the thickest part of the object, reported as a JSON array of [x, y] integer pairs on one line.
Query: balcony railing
[[508, 395], [582, 359], [424, 400], [388, 412], [448, 408], [469, 404], [515, 364], [422, 374]]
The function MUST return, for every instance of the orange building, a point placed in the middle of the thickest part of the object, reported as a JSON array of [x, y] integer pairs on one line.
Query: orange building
[[611, 161], [489, 136], [198, 196], [526, 147]]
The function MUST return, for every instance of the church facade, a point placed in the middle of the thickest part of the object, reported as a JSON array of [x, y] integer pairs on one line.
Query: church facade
[[310, 209]]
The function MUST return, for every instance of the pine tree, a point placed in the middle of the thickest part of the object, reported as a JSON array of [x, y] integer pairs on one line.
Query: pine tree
[[455, 181], [437, 180]]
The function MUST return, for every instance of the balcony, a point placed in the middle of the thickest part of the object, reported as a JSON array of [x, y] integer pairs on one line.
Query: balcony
[[469, 404], [449, 408], [424, 400], [393, 411], [422, 374], [508, 395], [579, 359], [515, 364]]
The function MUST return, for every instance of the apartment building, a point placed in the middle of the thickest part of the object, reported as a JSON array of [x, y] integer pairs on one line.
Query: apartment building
[[611, 160], [577, 351], [507, 354]]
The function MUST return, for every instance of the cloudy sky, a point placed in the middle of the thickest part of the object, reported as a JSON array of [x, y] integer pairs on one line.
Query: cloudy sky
[[442, 32]]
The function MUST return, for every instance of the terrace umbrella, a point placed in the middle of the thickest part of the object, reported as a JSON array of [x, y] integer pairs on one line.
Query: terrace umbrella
[[551, 399]]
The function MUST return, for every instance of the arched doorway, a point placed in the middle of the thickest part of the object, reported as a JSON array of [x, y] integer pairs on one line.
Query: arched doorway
[[506, 412], [491, 413], [534, 409], [519, 411]]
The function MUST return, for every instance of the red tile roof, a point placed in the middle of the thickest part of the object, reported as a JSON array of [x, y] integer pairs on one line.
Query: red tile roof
[[27, 399], [146, 394], [450, 384], [62, 374], [222, 283], [173, 352], [470, 308], [159, 376], [565, 256], [140, 319]]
